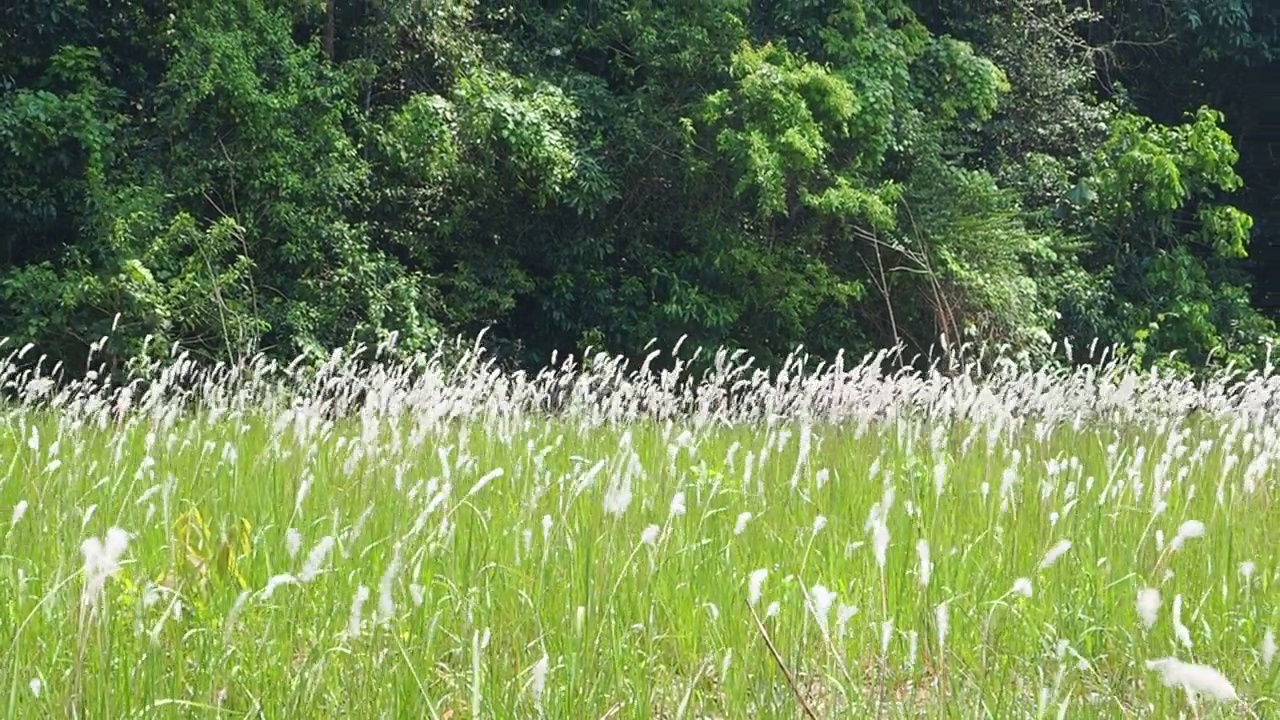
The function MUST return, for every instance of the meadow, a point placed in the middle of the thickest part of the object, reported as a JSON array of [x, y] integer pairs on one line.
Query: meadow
[[452, 540]]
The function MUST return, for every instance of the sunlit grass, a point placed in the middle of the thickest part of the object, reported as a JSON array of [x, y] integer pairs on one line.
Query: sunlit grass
[[596, 564]]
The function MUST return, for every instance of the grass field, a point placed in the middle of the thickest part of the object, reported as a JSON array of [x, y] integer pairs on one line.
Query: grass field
[[820, 542]]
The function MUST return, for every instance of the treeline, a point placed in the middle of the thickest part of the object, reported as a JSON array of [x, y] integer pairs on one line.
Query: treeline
[[287, 176]]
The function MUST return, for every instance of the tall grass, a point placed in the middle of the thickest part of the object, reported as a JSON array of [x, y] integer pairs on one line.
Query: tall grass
[[375, 540]]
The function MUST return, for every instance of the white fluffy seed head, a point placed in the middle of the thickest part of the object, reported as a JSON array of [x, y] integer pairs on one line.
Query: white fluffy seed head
[[292, 542], [117, 541], [649, 535], [233, 616], [18, 511], [844, 614], [1022, 586], [880, 543], [1186, 531], [316, 559], [1148, 606], [538, 679], [101, 561], [386, 600], [942, 618], [820, 600], [1054, 553], [755, 582], [677, 505], [489, 477], [1199, 679], [1191, 529], [1268, 648], [1180, 630], [741, 525], [357, 608], [275, 582]]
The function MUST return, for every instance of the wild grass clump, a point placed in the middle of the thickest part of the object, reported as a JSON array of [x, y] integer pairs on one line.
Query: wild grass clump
[[451, 540]]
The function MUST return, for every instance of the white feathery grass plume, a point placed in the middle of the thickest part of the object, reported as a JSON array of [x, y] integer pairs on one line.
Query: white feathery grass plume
[[880, 543], [304, 489], [774, 608], [1186, 531], [386, 602], [18, 511], [819, 522], [926, 565], [713, 610], [36, 686], [755, 581], [488, 477], [275, 582], [1268, 648], [538, 680], [546, 526], [844, 613], [677, 506], [357, 610], [819, 600], [233, 617], [649, 535], [1148, 606], [886, 634], [292, 542], [316, 559], [913, 648], [88, 515], [877, 525], [1022, 586], [476, 666], [1054, 553], [802, 454], [942, 618], [617, 497], [1180, 630], [1198, 679], [740, 525], [101, 561]]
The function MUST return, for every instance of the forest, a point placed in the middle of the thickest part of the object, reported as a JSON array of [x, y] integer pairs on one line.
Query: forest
[[289, 177]]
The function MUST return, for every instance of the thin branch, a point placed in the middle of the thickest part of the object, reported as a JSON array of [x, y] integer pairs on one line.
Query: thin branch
[[791, 680]]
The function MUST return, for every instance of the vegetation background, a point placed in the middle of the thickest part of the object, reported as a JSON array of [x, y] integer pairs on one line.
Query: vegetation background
[[288, 176]]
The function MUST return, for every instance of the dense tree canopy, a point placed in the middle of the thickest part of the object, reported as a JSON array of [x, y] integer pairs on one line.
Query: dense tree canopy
[[286, 176]]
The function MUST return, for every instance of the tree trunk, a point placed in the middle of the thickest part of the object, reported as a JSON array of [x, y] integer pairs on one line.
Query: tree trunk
[[329, 12]]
